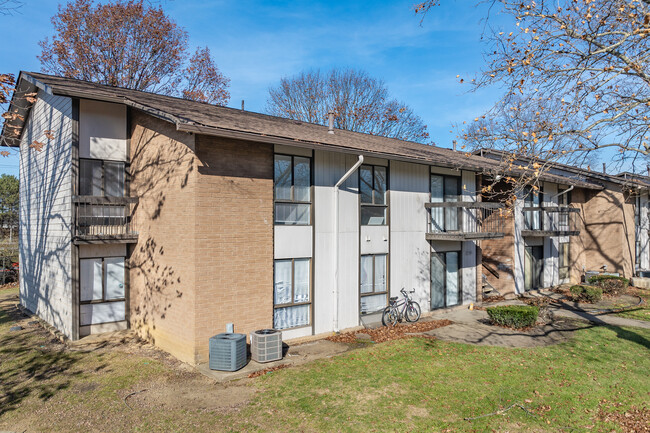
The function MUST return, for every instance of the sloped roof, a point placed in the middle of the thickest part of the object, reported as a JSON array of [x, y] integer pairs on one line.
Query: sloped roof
[[202, 118]]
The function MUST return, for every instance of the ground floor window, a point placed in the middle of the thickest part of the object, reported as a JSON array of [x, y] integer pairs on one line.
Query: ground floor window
[[373, 288], [564, 260], [292, 293], [102, 292], [445, 279]]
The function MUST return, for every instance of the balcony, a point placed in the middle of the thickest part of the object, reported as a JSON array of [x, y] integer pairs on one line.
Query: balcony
[[550, 221], [464, 221], [104, 220]]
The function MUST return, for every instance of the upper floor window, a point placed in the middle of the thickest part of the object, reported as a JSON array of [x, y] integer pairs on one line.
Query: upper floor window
[[292, 180], [372, 188], [101, 178], [532, 218], [445, 189]]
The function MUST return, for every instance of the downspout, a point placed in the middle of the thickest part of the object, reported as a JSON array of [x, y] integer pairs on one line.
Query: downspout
[[336, 239]]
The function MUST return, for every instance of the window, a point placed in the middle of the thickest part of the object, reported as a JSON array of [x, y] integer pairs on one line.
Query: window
[[444, 189], [373, 290], [291, 293], [532, 218], [564, 200], [102, 292], [564, 260], [292, 180], [372, 189], [101, 178]]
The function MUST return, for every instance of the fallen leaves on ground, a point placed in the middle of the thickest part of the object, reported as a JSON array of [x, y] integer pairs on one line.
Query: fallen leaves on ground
[[267, 370], [490, 299], [389, 333], [635, 420]]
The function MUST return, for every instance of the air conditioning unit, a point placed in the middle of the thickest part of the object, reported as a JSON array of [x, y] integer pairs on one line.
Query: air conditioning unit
[[266, 345], [228, 352]]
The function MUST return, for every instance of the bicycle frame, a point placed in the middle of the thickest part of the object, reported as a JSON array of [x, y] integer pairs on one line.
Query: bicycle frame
[[397, 303]]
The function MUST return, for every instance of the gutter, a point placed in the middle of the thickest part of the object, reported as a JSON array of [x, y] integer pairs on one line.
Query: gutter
[[336, 239]]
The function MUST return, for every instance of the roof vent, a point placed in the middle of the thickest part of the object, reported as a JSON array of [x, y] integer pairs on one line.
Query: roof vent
[[330, 127]]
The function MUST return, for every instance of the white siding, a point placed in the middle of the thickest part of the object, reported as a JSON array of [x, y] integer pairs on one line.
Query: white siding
[[468, 261], [410, 253], [329, 167], [102, 130], [551, 243], [520, 255], [642, 233], [292, 242], [45, 213]]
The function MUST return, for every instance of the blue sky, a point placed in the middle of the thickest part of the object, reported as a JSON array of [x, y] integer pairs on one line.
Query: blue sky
[[257, 43]]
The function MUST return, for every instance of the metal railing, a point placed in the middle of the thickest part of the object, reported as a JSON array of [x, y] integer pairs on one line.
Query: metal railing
[[551, 221], [104, 217], [465, 220]]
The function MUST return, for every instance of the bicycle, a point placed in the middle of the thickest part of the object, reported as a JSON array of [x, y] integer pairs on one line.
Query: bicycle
[[410, 309]]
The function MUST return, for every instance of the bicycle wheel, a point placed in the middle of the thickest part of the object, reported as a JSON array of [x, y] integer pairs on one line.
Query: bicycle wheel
[[389, 317], [412, 312]]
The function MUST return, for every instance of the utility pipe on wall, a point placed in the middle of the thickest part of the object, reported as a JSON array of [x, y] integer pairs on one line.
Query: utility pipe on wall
[[336, 239]]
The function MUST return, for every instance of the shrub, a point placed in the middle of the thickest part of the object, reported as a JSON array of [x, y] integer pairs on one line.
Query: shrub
[[588, 294], [513, 316], [610, 283]]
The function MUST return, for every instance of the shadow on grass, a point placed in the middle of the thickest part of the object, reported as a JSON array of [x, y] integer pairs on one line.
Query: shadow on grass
[[32, 363]]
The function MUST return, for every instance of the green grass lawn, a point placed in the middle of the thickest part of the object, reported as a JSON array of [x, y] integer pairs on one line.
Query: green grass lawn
[[413, 385], [641, 312]]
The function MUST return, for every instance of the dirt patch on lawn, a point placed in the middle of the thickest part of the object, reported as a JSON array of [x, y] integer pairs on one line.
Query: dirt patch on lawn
[[190, 391]]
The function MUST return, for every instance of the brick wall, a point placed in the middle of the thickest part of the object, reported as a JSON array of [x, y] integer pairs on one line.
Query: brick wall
[[498, 254], [234, 238], [606, 232], [162, 276]]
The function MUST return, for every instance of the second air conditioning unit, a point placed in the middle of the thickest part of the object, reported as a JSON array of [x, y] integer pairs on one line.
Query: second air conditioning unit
[[266, 345]]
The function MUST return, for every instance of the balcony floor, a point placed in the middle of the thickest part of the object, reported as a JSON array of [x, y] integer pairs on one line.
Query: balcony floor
[[549, 233], [131, 238], [460, 236]]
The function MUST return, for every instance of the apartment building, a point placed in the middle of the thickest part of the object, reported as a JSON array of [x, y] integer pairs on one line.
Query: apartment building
[[175, 218], [582, 221]]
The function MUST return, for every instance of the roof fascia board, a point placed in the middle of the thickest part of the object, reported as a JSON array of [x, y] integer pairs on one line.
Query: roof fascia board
[[271, 139], [44, 87], [559, 166]]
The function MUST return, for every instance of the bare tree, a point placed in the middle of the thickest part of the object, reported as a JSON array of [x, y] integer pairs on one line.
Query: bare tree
[[360, 103], [8, 7], [129, 44], [576, 80]]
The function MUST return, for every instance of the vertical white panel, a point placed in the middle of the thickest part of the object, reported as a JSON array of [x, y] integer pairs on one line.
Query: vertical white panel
[[329, 167], [551, 246], [409, 250], [468, 263], [519, 264], [46, 212], [642, 232]]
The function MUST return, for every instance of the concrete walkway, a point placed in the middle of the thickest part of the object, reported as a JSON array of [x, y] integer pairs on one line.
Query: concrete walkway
[[474, 327], [470, 327]]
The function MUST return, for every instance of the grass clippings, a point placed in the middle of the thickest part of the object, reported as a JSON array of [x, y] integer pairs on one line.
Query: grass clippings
[[390, 333]]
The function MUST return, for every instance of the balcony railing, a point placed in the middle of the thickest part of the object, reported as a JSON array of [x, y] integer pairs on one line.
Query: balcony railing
[[465, 220], [550, 221], [104, 219]]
